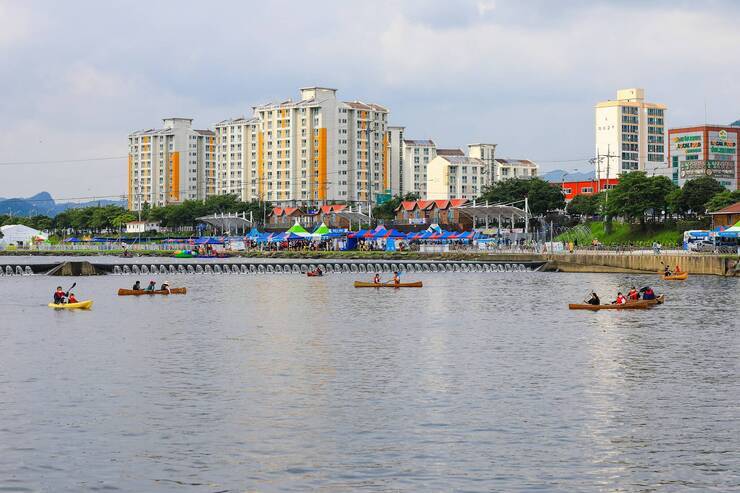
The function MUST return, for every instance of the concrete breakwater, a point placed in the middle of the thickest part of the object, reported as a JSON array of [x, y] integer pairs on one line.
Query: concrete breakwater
[[646, 263], [70, 268]]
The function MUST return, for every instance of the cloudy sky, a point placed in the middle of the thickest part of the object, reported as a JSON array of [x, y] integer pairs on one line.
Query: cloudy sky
[[77, 76]]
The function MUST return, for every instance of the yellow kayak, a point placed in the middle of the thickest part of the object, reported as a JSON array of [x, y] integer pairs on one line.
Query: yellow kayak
[[82, 305]]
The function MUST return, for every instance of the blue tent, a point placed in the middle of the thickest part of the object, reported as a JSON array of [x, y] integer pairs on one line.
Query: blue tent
[[73, 240], [253, 233], [208, 240]]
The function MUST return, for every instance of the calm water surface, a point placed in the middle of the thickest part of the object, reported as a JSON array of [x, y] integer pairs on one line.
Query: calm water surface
[[477, 382]]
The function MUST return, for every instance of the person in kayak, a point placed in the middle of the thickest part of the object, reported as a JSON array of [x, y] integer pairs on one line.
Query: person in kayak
[[71, 298], [633, 295], [667, 271], [137, 286], [376, 279], [59, 296], [152, 286], [594, 299], [649, 294]]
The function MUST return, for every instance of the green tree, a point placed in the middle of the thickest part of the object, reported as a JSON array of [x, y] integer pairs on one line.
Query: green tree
[[584, 205], [631, 197], [387, 210], [722, 200], [543, 196], [699, 191], [121, 219], [674, 202]]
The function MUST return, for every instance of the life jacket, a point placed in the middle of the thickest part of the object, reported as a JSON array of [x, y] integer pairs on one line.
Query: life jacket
[[621, 300], [634, 295]]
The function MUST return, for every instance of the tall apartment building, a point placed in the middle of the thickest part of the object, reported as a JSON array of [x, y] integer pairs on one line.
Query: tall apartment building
[[416, 157], [705, 150], [633, 131], [236, 157], [171, 164], [487, 154], [395, 152], [321, 149], [505, 169], [455, 177]]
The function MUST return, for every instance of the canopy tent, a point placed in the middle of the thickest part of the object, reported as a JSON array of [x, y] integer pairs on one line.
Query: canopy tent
[[253, 233], [358, 234], [392, 233], [73, 240], [287, 236], [20, 234], [322, 229], [297, 229]]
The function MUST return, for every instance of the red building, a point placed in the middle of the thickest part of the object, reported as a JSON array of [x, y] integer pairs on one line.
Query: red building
[[574, 188]]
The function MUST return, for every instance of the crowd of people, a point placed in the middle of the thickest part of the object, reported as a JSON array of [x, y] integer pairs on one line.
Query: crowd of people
[[632, 295]]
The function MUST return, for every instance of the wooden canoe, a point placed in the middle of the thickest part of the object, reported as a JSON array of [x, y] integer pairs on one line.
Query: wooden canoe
[[657, 301], [625, 306], [677, 277], [139, 292], [359, 284]]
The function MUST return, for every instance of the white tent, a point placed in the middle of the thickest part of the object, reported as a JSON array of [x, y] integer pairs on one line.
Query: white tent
[[18, 234]]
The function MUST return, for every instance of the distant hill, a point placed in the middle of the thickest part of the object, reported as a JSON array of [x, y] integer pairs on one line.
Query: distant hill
[[44, 204], [559, 176]]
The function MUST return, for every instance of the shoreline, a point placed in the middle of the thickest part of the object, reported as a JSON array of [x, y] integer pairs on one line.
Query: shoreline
[[580, 262]]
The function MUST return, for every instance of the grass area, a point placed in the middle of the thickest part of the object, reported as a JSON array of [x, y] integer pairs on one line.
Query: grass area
[[623, 234]]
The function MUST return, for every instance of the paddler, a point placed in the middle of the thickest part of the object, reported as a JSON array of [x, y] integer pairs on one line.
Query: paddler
[[396, 278], [152, 286], [137, 286], [59, 296], [165, 287], [633, 295], [649, 294], [594, 299], [72, 299], [666, 271], [376, 279], [621, 300]]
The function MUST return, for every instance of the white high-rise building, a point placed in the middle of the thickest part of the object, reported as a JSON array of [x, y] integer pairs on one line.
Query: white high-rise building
[[395, 151], [630, 134], [236, 157], [321, 149], [416, 157], [171, 164], [456, 177]]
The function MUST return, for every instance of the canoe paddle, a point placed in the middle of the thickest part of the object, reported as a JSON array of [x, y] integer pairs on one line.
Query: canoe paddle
[[70, 288]]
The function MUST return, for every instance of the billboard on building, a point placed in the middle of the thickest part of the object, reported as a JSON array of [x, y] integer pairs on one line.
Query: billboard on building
[[722, 162], [692, 157]]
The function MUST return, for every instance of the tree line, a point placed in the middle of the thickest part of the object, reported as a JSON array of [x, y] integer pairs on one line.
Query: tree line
[[113, 218]]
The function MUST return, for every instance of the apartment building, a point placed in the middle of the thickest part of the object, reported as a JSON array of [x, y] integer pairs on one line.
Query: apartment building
[[321, 149], [455, 177], [505, 169], [395, 153], [631, 132], [170, 164], [705, 150], [236, 157], [416, 157]]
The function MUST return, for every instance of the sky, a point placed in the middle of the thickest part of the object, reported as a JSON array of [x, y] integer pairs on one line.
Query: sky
[[77, 76]]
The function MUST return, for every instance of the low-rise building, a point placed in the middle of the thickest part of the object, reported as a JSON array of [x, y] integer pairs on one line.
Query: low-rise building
[[425, 212], [143, 226], [572, 189], [729, 216], [20, 235], [705, 150]]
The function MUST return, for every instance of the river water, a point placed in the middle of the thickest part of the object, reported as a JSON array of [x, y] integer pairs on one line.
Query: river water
[[476, 382]]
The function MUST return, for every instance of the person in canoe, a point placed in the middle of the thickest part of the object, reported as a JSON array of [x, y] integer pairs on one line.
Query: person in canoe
[[633, 294], [677, 270], [319, 272], [667, 271], [648, 294], [60, 297], [71, 298], [165, 287], [376, 279], [137, 286], [594, 299], [396, 278], [621, 299], [152, 286]]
